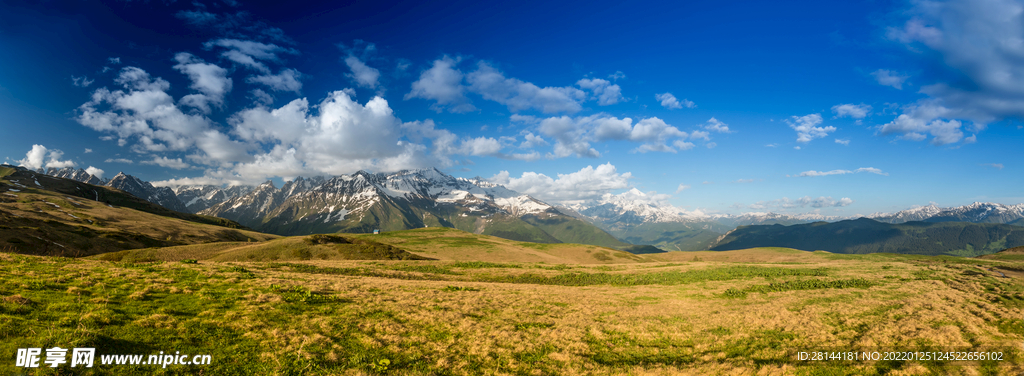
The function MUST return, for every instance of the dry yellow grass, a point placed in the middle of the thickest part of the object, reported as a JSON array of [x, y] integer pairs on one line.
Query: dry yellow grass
[[458, 324], [37, 219], [456, 245], [444, 244]]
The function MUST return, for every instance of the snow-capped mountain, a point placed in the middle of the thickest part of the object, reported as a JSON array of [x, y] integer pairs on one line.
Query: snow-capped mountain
[[917, 213], [759, 218], [162, 196], [633, 207], [978, 212], [77, 175], [200, 197], [364, 201]]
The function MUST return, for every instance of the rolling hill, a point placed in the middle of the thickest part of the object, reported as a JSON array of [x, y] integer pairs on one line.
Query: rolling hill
[[869, 236], [45, 215], [435, 243]]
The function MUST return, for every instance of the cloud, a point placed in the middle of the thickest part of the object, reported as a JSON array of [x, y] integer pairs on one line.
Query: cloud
[[856, 111], [889, 78], [571, 136], [606, 92], [176, 163], [574, 135], [518, 95], [94, 172], [998, 166], [87, 150], [743, 181], [447, 86], [284, 80], [145, 112], [218, 147], [682, 187], [786, 203], [119, 160], [249, 54], [114, 60], [531, 141], [618, 75], [209, 79], [442, 83], [669, 101], [36, 158], [81, 81], [586, 184], [364, 75], [979, 44], [197, 17], [261, 97], [716, 126], [807, 128], [843, 142], [871, 170], [916, 123], [700, 135]]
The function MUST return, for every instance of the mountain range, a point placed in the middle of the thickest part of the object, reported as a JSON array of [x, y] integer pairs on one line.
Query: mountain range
[[363, 202], [865, 235]]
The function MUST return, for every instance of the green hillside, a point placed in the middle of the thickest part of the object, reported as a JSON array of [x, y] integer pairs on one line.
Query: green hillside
[[571, 230], [298, 248], [61, 217], [869, 236], [671, 236]]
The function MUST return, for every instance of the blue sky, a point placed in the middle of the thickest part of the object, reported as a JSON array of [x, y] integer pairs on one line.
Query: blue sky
[[839, 108]]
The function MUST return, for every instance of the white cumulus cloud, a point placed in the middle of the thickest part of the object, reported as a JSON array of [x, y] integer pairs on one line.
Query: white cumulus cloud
[[94, 172], [807, 127], [210, 80], [39, 157], [175, 163], [586, 184], [573, 136], [519, 95], [889, 78], [856, 111], [364, 75], [285, 80], [606, 92], [669, 101], [716, 125], [979, 43], [442, 83]]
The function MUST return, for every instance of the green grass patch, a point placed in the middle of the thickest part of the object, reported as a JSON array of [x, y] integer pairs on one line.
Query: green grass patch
[[660, 278], [459, 288]]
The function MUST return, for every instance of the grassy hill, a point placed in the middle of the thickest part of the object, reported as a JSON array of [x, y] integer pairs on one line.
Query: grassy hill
[[435, 243], [452, 244], [732, 312], [298, 248], [671, 236], [63, 217], [869, 236]]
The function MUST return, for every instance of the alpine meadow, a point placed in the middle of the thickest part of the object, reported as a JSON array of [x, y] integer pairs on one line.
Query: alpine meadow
[[225, 187]]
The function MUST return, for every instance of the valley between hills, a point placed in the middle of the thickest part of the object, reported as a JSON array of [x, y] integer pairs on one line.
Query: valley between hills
[[87, 265]]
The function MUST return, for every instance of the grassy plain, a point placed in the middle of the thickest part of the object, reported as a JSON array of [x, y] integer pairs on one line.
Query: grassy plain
[[737, 312]]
